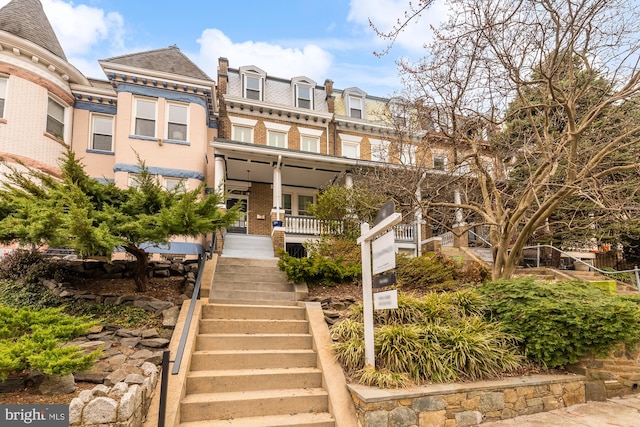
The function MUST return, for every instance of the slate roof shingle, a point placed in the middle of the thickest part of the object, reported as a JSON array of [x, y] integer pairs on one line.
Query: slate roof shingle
[[26, 19], [167, 60]]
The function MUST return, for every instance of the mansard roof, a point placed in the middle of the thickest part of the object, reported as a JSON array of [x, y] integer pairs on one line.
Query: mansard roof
[[26, 19], [166, 60]]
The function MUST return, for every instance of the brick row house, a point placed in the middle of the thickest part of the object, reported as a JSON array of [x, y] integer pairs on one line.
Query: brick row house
[[268, 142]]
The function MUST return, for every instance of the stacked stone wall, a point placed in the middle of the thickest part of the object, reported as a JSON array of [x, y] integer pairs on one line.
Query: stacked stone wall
[[470, 404]]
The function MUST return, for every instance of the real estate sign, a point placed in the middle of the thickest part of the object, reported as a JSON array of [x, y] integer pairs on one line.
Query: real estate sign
[[384, 253]]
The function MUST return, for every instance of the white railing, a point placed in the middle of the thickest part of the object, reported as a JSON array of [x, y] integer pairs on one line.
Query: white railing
[[447, 239], [404, 232], [315, 227], [311, 226]]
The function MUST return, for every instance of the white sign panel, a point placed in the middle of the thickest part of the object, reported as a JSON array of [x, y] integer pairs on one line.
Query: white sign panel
[[385, 300], [384, 252]]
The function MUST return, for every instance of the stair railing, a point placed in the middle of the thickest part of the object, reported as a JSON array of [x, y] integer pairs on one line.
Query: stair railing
[[164, 379], [635, 269]]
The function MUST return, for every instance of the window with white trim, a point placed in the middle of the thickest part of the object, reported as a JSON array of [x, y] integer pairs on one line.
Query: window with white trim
[[350, 145], [242, 134], [277, 134], [3, 94], [439, 161], [304, 201], [379, 150], [176, 184], [277, 139], [408, 154], [286, 203], [242, 129], [310, 139], [145, 118], [304, 96], [102, 133], [177, 119], [464, 168], [253, 87], [350, 149], [310, 143], [134, 179], [355, 107], [55, 118]]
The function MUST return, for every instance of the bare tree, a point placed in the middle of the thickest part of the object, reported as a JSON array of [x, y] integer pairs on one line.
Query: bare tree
[[531, 96]]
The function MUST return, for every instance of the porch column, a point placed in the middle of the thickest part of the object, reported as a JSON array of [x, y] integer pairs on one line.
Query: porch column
[[277, 213], [219, 174], [348, 180], [460, 237], [218, 177]]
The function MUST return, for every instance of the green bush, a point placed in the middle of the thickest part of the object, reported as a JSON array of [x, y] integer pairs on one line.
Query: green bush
[[559, 322], [28, 295], [317, 269], [27, 267], [430, 271], [32, 339], [437, 338]]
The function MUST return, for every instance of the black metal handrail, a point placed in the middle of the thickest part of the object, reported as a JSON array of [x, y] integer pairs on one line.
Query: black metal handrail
[[183, 340], [635, 270]]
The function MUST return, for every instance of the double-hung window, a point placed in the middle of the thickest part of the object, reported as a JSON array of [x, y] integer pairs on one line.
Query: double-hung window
[[253, 87], [102, 133], [3, 95], [310, 139], [304, 97], [277, 139], [350, 146], [408, 154], [242, 129], [174, 184], [286, 203], [355, 107], [304, 202], [55, 119], [379, 150], [177, 122], [145, 118], [439, 163]]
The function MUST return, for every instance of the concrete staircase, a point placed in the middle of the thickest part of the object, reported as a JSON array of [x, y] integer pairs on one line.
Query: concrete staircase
[[251, 281], [254, 366], [247, 246]]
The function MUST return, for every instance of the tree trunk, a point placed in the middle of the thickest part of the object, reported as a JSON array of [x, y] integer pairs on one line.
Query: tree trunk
[[142, 264]]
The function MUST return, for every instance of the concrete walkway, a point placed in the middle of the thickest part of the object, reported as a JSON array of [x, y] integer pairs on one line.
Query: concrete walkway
[[615, 412]]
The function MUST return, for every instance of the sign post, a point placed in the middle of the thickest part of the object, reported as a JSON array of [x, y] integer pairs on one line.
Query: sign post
[[383, 225]]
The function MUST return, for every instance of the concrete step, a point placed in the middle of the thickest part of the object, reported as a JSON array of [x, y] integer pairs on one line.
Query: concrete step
[[221, 381], [241, 297], [244, 262], [252, 359], [235, 273], [322, 419], [252, 341], [239, 300], [218, 285], [253, 326], [222, 406], [234, 311]]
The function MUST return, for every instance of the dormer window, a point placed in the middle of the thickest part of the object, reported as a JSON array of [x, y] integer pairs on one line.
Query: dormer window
[[253, 83], [3, 94], [303, 92], [354, 102]]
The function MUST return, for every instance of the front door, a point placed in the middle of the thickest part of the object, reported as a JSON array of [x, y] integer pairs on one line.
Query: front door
[[240, 226]]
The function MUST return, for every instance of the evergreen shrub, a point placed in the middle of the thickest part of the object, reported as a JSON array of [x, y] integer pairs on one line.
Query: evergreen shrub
[[558, 322]]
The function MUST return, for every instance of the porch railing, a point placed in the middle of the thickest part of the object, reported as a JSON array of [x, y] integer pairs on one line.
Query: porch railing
[[311, 226], [315, 227], [447, 239], [405, 232]]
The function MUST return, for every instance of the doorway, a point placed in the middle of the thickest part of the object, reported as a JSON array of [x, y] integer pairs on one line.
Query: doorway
[[240, 226]]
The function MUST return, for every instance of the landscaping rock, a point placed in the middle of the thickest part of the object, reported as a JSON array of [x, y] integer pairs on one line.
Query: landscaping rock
[[155, 342], [101, 410], [57, 384]]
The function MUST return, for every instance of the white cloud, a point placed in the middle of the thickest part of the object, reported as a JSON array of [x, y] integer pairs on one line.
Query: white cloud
[[309, 60], [79, 28], [385, 15]]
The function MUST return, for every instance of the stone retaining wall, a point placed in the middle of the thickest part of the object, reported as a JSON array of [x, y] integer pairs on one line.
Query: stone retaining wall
[[461, 405], [125, 404], [617, 374]]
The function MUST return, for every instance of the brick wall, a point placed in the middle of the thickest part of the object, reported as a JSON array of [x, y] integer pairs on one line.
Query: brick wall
[[260, 204]]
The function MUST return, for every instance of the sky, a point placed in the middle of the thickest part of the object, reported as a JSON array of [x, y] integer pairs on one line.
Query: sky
[[286, 38]]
